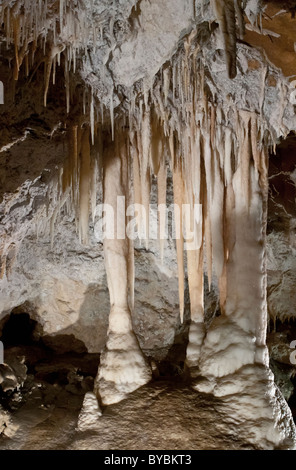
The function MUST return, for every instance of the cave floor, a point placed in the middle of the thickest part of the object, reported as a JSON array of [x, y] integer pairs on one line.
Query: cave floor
[[162, 415]]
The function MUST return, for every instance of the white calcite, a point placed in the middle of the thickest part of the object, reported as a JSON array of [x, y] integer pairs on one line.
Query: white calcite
[[123, 367], [90, 413]]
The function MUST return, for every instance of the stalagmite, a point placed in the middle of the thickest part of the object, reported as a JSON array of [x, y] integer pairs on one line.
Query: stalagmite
[[197, 326], [243, 300], [195, 272], [123, 367]]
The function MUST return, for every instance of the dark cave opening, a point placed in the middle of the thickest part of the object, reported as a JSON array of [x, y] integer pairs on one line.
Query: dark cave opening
[[41, 368], [18, 329]]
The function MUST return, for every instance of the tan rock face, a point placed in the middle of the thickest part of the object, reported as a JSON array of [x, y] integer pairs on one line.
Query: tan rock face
[[277, 37]]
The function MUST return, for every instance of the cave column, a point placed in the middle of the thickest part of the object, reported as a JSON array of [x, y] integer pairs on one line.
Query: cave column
[[238, 337], [123, 367]]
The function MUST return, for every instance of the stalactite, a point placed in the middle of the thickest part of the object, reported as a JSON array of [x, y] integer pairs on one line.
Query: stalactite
[[240, 17], [16, 30], [55, 214], [61, 14], [166, 83], [207, 207], [2, 266], [178, 183], [225, 14], [162, 193], [216, 216], [84, 187], [145, 171], [48, 67], [131, 252], [112, 113], [228, 155], [145, 197], [92, 118], [194, 264], [245, 146], [67, 83], [93, 186], [146, 144], [254, 144], [136, 182]]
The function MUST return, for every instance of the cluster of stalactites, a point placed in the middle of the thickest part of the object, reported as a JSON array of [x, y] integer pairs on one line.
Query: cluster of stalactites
[[77, 186], [174, 125], [51, 25], [61, 29]]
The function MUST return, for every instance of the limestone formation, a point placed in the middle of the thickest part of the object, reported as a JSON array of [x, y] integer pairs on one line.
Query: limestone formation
[[143, 216]]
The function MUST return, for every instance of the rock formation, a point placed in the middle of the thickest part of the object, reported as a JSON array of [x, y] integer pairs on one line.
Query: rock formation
[[139, 201]]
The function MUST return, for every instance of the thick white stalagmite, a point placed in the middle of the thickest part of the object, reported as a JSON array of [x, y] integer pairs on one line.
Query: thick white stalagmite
[[245, 301], [123, 367]]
